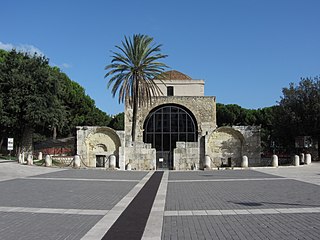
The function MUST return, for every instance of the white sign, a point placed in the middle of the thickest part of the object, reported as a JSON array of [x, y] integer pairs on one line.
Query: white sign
[[10, 144], [160, 159]]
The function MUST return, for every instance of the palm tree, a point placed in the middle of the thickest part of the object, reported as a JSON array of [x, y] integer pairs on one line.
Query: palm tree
[[132, 71]]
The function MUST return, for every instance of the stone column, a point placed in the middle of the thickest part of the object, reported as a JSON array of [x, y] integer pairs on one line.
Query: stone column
[[308, 158], [22, 158], [128, 167], [40, 156], [77, 161], [275, 161], [112, 161], [30, 159], [207, 162], [296, 160], [245, 162], [48, 161]]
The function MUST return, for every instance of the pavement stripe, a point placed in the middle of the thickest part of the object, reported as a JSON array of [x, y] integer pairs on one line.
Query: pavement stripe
[[54, 210], [132, 222], [100, 229], [82, 179], [153, 228], [230, 180], [240, 211]]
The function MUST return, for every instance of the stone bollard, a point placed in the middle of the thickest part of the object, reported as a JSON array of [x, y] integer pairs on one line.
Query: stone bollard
[[308, 158], [128, 167], [275, 161], [20, 158], [40, 156], [245, 162], [77, 161], [296, 160], [48, 161], [207, 162], [112, 161], [302, 158], [30, 159]]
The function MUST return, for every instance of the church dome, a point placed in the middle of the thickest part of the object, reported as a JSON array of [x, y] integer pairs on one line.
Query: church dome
[[174, 75]]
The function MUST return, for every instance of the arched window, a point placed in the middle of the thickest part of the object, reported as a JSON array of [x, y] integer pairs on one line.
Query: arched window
[[167, 125]]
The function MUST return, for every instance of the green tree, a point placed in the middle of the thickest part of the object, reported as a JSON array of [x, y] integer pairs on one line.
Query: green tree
[[117, 122], [28, 94], [79, 108], [40, 101], [132, 71], [299, 111]]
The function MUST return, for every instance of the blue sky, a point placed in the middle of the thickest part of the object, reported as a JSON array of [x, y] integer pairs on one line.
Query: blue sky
[[245, 50]]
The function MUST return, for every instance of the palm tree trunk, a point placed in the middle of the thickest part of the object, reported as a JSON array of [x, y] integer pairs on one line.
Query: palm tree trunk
[[135, 104], [134, 123]]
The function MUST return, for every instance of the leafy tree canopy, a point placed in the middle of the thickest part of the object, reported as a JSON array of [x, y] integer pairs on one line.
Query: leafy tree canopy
[[37, 97], [299, 111]]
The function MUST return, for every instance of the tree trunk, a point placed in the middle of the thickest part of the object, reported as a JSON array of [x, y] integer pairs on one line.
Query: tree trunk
[[1, 142], [135, 105], [318, 147], [54, 137], [134, 120], [27, 140]]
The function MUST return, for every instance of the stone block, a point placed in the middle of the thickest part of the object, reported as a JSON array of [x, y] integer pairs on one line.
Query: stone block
[[308, 158], [77, 161], [207, 162], [48, 161], [181, 145], [40, 156], [112, 161], [245, 162], [296, 160], [30, 159], [274, 161]]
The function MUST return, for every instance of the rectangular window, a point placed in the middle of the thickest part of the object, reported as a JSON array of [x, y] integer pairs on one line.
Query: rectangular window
[[170, 91]]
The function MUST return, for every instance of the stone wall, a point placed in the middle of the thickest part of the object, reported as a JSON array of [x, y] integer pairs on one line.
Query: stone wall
[[186, 156], [140, 156], [227, 145], [98, 141], [182, 87], [203, 109], [252, 147]]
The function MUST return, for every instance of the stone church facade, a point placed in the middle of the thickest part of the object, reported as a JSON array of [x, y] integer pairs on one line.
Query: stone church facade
[[177, 131]]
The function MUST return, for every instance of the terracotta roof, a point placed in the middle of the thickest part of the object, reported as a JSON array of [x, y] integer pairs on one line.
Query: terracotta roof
[[175, 75]]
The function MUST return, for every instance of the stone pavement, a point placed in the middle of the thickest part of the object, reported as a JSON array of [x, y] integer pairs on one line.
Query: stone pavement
[[260, 203]]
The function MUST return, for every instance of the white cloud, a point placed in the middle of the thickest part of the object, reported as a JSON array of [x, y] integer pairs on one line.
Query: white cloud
[[63, 65], [6, 47], [31, 50], [66, 65], [21, 48]]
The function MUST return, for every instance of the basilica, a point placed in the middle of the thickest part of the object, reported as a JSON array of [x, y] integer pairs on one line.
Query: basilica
[[177, 131]]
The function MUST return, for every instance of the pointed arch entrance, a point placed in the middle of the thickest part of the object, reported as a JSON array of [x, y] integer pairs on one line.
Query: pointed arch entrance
[[166, 125]]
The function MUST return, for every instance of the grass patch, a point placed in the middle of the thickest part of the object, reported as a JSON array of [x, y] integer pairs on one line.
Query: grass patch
[[14, 158]]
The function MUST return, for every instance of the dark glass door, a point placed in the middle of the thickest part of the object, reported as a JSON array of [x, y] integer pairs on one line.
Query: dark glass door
[[164, 127]]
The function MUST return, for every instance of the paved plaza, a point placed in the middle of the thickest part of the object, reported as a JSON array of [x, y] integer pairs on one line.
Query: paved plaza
[[260, 203]]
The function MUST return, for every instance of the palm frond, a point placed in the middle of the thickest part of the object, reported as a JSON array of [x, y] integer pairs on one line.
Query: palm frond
[[133, 69]]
